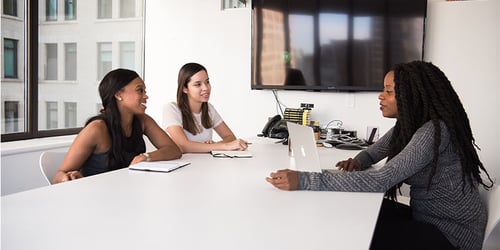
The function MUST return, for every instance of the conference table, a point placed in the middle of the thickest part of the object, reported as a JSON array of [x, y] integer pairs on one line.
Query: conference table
[[213, 203]]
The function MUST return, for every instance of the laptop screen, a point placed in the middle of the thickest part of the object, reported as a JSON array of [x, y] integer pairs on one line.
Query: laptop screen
[[302, 146]]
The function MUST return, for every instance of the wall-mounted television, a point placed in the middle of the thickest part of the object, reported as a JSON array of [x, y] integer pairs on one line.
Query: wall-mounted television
[[333, 45]]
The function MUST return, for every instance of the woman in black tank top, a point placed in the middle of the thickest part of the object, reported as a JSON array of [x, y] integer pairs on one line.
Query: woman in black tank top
[[114, 138]]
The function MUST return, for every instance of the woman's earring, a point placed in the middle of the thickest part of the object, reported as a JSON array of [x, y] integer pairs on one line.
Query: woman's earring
[[120, 99]]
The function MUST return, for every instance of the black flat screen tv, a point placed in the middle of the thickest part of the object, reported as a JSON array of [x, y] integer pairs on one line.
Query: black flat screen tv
[[333, 45]]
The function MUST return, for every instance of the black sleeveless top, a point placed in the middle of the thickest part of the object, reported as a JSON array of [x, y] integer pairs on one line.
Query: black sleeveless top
[[132, 146]]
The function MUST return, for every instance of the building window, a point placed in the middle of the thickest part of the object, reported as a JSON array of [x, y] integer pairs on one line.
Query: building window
[[10, 58], [104, 62], [51, 61], [127, 8], [67, 59], [70, 9], [70, 114], [70, 61], [51, 115], [10, 7], [105, 9], [51, 10], [11, 116], [127, 55]]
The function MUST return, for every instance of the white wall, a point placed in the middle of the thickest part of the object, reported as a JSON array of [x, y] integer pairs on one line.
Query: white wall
[[178, 32], [462, 37]]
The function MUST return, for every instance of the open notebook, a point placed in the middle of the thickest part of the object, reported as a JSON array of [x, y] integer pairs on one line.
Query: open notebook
[[231, 154], [159, 166]]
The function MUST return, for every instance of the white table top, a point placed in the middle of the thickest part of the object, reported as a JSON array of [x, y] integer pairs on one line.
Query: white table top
[[214, 203]]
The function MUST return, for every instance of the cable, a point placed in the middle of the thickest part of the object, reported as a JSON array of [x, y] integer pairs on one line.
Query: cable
[[338, 125], [278, 103]]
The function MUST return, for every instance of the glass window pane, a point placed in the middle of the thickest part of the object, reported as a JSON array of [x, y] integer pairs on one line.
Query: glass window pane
[[51, 10], [13, 85], [127, 8], [70, 115], [105, 9], [104, 62], [127, 55], [10, 58], [51, 115], [10, 7], [70, 9], [51, 62], [11, 115], [70, 61]]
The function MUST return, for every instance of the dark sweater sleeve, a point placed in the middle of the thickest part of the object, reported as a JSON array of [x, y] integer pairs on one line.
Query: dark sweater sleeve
[[413, 158], [375, 152]]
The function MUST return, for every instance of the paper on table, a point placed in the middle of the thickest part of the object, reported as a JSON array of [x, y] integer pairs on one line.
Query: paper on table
[[231, 154], [158, 166]]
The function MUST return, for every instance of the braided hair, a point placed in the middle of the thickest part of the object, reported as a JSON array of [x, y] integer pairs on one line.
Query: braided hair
[[424, 93]]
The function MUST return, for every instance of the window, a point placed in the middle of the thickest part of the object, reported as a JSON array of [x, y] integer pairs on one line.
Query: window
[[104, 62], [70, 114], [127, 8], [51, 114], [11, 114], [70, 9], [105, 9], [10, 58], [51, 10], [127, 55], [70, 61], [51, 61], [62, 63], [10, 7]]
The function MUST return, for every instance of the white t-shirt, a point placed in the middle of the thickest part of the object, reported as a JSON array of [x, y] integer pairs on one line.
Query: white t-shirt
[[172, 117]]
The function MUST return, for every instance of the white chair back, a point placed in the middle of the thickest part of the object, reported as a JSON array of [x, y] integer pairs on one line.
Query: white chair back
[[492, 232], [50, 162]]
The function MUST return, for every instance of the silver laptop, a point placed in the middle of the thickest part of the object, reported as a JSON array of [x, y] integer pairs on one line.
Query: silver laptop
[[302, 146]]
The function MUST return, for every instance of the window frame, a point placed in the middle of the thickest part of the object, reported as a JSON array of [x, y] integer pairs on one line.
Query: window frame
[[31, 63], [30, 129]]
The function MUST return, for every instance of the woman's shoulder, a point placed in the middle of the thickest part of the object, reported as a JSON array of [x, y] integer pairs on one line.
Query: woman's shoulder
[[429, 129], [430, 125], [171, 107], [211, 108], [97, 124], [95, 129]]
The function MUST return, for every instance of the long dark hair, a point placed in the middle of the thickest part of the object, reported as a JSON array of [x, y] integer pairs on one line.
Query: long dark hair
[[424, 93], [113, 82], [188, 123]]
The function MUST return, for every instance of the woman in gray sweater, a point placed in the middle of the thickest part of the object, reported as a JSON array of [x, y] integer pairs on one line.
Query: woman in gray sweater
[[432, 149]]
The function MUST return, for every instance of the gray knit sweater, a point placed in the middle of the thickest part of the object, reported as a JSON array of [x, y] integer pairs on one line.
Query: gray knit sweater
[[458, 213]]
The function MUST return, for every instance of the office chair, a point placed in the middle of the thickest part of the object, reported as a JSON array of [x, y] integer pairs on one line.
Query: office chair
[[50, 162], [492, 233]]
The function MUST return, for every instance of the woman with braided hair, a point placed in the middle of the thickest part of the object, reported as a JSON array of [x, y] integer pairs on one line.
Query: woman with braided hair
[[431, 148]]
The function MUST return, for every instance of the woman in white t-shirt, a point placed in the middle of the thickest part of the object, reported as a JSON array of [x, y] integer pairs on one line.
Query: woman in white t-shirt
[[191, 121]]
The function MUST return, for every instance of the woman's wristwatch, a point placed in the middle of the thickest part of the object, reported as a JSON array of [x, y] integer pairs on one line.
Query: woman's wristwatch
[[148, 158]]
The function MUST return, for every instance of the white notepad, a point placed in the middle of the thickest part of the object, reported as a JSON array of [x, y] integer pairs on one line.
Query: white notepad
[[159, 166], [231, 154]]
